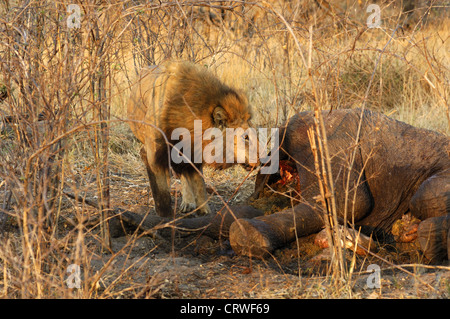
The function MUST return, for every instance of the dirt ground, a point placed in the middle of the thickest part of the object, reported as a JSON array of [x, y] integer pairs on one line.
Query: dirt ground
[[171, 266]]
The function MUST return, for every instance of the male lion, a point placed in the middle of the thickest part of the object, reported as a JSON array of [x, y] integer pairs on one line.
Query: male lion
[[172, 96]]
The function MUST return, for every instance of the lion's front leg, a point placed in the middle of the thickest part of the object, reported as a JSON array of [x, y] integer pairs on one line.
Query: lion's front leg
[[194, 190], [187, 196]]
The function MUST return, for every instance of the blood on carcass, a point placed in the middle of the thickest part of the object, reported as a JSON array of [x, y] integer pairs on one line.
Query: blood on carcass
[[289, 175]]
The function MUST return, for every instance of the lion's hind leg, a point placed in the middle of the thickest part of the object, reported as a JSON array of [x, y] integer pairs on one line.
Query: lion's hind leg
[[159, 178]]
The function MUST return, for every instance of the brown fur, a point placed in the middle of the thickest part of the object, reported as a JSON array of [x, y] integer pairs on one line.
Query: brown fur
[[172, 96]]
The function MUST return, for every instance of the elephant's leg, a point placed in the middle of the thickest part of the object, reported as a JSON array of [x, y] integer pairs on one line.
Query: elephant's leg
[[432, 199], [262, 235], [433, 235], [431, 204]]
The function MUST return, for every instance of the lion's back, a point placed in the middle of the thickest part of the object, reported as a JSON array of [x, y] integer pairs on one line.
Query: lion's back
[[146, 101]]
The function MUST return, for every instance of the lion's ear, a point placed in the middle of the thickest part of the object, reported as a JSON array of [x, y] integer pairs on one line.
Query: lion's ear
[[220, 117]]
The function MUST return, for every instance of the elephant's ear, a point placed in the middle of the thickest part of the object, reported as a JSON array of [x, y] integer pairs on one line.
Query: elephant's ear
[[220, 117]]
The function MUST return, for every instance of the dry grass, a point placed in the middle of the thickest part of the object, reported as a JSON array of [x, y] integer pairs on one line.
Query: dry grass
[[78, 81]]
